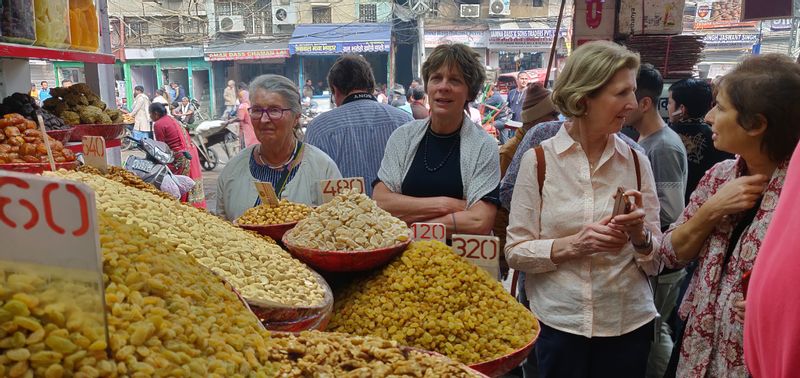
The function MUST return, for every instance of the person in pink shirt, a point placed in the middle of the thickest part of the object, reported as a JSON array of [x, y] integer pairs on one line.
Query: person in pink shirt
[[247, 133], [771, 327]]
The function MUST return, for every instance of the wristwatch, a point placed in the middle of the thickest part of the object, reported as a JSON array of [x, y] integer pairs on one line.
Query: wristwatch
[[647, 244]]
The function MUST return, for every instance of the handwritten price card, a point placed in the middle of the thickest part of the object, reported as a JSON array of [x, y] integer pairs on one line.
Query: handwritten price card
[[429, 231], [332, 188], [94, 152], [481, 250]]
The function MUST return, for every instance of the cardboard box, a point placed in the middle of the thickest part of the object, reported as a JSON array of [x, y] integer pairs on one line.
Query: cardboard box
[[638, 17], [594, 20]]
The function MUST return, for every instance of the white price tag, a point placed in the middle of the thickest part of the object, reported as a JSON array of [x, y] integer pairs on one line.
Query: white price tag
[[331, 188], [267, 193], [49, 229], [429, 231], [94, 152], [481, 250]]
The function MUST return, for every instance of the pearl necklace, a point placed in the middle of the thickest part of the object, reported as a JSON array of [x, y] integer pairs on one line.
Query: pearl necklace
[[283, 165]]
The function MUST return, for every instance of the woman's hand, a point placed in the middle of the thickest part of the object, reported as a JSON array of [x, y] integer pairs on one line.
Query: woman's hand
[[598, 237], [738, 309], [632, 223], [736, 196]]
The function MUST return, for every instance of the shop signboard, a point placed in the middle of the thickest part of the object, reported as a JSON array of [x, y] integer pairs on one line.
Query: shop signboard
[[594, 20], [730, 40], [783, 24], [334, 48], [471, 38], [720, 14], [520, 38], [247, 55]]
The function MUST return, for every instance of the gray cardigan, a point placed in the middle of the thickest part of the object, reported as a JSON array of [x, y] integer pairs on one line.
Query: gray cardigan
[[480, 158]]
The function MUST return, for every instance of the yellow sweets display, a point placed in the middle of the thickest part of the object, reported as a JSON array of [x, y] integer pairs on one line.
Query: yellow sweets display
[[52, 23], [325, 354], [285, 212], [83, 25], [262, 272], [430, 298], [167, 316]]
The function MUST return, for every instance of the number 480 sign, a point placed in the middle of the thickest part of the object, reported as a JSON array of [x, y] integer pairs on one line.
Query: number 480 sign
[[483, 251]]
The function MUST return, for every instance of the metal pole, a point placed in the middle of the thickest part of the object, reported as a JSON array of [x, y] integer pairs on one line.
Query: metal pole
[[555, 42], [421, 44]]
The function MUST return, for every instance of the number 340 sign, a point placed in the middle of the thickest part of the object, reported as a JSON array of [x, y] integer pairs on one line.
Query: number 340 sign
[[483, 251]]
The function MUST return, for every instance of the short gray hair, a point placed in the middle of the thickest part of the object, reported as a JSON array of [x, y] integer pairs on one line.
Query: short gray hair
[[280, 85]]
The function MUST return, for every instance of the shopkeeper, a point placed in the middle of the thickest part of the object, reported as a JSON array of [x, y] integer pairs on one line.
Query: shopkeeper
[[293, 167], [444, 169]]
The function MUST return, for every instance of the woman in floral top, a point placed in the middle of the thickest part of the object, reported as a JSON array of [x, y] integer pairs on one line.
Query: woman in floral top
[[726, 219]]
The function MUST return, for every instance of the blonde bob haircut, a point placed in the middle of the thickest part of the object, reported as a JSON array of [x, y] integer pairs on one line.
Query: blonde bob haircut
[[588, 69]]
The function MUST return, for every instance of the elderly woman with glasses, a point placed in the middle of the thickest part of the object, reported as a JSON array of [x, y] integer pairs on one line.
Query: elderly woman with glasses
[[293, 167]]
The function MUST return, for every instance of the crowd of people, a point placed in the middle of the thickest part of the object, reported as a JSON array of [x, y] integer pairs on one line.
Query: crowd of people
[[657, 287]]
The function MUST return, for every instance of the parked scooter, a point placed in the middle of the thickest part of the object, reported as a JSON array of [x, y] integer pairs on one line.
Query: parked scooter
[[153, 167]]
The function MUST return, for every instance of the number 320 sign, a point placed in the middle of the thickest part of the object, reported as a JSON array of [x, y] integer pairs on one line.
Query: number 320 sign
[[480, 250]]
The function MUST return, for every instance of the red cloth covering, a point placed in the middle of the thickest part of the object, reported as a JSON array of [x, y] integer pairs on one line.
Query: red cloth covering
[[169, 131], [772, 308]]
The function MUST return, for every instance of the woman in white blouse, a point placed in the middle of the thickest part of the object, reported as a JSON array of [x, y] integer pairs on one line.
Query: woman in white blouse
[[586, 270]]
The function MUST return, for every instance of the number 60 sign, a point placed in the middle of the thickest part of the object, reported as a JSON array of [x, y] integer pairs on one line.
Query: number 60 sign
[[480, 250]]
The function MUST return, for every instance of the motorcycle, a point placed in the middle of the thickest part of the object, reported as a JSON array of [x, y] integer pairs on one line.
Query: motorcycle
[[153, 168], [210, 133]]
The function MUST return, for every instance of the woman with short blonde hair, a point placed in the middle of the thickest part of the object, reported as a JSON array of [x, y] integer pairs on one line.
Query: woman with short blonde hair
[[586, 265]]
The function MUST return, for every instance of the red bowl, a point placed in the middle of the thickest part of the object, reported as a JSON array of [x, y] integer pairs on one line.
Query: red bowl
[[61, 135], [108, 132], [344, 261], [37, 168], [275, 231], [504, 364], [279, 317]]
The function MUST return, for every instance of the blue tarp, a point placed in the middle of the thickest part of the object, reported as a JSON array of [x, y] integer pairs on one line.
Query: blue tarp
[[335, 39]]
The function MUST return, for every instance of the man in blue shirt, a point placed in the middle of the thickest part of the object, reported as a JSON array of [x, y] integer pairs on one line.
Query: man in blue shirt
[[354, 134], [517, 95], [44, 93]]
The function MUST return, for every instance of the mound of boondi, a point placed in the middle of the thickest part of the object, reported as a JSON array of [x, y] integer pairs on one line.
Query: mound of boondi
[[432, 299]]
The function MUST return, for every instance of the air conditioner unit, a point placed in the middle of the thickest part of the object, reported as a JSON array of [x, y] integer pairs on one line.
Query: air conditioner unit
[[500, 7], [284, 14], [231, 24], [470, 10]]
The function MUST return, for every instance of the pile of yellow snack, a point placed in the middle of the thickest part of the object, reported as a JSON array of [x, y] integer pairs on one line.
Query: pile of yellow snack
[[126, 178], [265, 214], [167, 316], [430, 298], [262, 272]]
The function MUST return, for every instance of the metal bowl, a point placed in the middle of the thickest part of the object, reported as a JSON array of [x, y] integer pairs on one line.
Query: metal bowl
[[504, 364], [344, 261]]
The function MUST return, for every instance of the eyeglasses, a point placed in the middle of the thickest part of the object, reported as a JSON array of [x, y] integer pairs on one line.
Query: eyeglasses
[[274, 114]]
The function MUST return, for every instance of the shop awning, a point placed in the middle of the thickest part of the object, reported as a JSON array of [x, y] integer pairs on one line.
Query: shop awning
[[521, 36], [236, 50], [334, 39]]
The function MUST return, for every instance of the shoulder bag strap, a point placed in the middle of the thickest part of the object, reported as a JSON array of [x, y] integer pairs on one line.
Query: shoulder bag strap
[[541, 168], [638, 172]]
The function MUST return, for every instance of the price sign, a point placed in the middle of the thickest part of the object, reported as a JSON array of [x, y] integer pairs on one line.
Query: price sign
[[480, 250], [331, 188], [49, 230], [267, 193], [429, 231], [94, 152]]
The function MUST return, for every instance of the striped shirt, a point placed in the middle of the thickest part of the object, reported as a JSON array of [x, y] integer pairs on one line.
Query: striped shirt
[[354, 135], [264, 173]]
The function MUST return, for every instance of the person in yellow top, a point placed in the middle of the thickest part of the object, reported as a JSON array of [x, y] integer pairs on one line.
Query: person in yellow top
[[34, 93]]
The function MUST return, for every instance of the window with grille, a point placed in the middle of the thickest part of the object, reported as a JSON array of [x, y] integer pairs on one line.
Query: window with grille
[[321, 15], [170, 25], [434, 11], [258, 21], [368, 13], [137, 28]]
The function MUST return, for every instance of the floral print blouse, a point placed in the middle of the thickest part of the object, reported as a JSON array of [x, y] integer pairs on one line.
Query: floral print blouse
[[712, 342]]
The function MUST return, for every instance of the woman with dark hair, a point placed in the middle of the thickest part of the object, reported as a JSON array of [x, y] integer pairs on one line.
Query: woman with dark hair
[[726, 219], [187, 161], [443, 169]]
